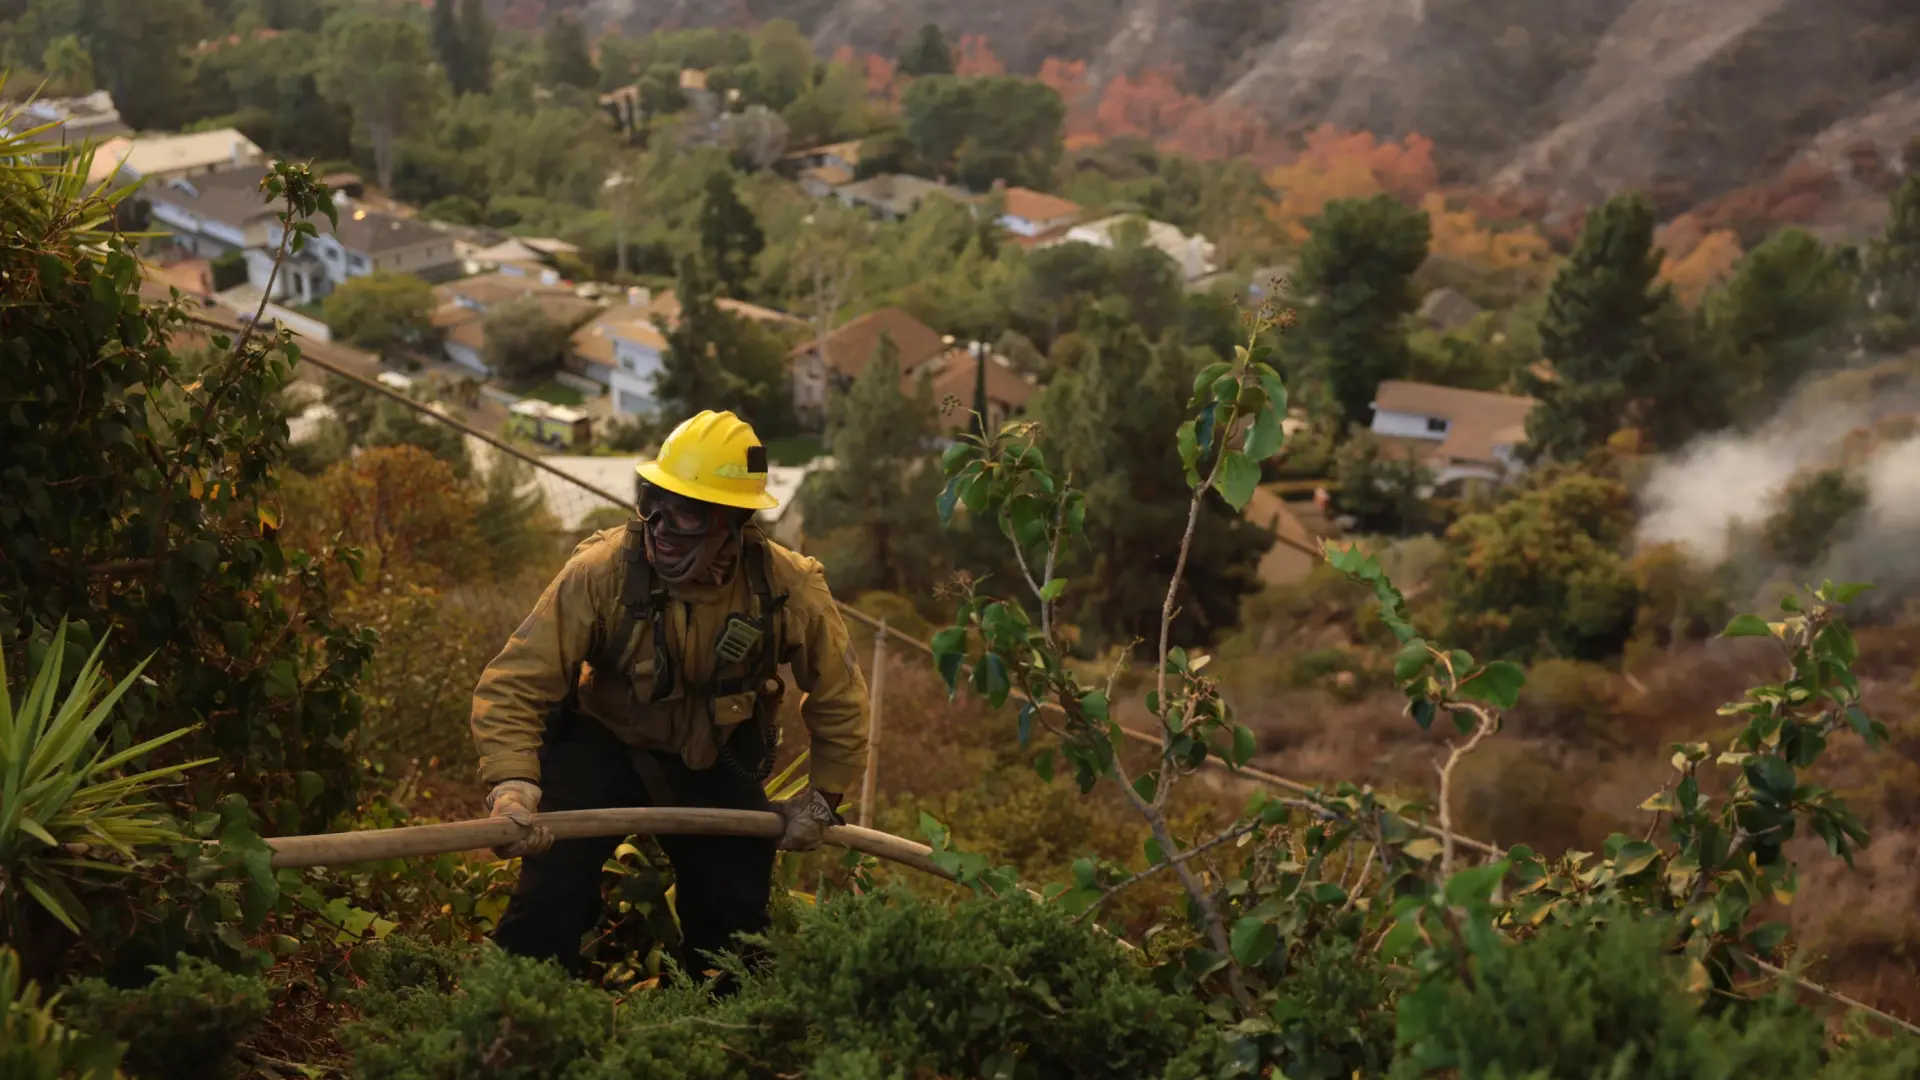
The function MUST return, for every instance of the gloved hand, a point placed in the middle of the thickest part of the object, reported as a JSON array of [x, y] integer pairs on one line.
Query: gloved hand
[[518, 801], [808, 814]]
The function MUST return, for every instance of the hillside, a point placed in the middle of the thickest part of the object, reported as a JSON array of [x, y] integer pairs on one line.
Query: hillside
[[1574, 98]]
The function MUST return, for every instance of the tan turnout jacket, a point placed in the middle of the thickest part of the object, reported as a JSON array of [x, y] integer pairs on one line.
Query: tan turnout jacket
[[581, 607]]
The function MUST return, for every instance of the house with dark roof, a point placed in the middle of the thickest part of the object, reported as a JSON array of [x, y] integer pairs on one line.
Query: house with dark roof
[[362, 242], [895, 195], [212, 214], [822, 366], [1462, 435]]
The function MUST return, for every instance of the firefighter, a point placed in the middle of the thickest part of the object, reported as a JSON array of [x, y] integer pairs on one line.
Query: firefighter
[[647, 675]]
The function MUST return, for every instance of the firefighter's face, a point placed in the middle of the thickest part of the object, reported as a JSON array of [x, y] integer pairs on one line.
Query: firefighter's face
[[677, 523]]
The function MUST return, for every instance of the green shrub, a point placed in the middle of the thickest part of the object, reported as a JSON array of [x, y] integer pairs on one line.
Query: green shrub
[[1603, 1000], [186, 1023], [1567, 699], [35, 1045], [881, 985]]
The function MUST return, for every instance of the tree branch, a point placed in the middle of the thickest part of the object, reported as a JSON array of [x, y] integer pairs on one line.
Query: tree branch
[[1483, 728], [1230, 835]]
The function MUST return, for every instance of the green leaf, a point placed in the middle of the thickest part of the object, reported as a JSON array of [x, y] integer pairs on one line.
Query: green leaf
[[1239, 476], [949, 498], [1253, 941], [1411, 660], [990, 679], [951, 458], [1205, 379], [1043, 766], [1747, 626], [1845, 594], [1474, 884], [1497, 684], [1244, 745], [1633, 857], [1094, 706], [1771, 776], [1026, 723], [1053, 588], [1189, 447]]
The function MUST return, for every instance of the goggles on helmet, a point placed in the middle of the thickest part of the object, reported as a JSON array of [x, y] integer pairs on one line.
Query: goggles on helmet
[[671, 512]]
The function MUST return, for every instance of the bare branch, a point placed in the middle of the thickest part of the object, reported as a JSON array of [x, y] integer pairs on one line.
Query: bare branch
[[1485, 725], [1227, 837]]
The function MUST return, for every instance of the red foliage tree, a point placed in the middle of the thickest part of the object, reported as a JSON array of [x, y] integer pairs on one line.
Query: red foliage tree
[[975, 57]]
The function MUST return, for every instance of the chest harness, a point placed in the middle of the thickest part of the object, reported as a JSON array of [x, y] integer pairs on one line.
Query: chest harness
[[743, 643]]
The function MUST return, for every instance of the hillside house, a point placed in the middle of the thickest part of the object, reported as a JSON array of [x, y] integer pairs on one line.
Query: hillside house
[[823, 367], [1291, 558], [1193, 254], [212, 214], [364, 241], [956, 374], [823, 170], [76, 120], [1464, 436], [461, 313], [895, 195], [1034, 217], [623, 349], [155, 158]]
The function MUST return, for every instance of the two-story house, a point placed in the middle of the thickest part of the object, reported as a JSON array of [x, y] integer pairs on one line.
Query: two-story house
[[364, 241], [1193, 254], [1467, 436], [822, 367], [212, 214], [622, 348], [460, 316], [1034, 217], [76, 120]]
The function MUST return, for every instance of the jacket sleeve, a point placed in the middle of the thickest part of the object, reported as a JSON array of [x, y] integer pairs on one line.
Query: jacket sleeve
[[836, 706], [535, 671]]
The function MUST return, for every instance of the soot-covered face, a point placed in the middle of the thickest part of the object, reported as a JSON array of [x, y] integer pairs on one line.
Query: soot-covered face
[[685, 536]]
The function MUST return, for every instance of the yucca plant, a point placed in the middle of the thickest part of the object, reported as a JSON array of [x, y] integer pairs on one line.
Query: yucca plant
[[61, 805], [34, 1045]]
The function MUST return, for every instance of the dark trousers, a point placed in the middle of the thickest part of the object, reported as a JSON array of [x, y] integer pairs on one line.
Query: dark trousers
[[723, 881]]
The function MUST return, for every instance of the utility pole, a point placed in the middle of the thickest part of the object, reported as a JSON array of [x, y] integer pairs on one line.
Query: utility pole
[[617, 186], [979, 350]]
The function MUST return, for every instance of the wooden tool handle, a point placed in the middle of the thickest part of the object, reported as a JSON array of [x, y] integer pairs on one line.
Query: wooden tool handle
[[342, 849]]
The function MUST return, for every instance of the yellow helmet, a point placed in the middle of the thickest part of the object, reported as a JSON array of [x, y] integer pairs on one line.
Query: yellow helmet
[[714, 457]]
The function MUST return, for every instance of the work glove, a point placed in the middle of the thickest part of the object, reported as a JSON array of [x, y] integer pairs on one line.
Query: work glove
[[518, 801], [808, 814]]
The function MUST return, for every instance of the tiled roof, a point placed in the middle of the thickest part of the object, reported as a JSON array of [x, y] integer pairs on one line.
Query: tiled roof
[[231, 198], [956, 375], [371, 232], [1039, 207], [1477, 421], [593, 342], [665, 309], [851, 346], [490, 289]]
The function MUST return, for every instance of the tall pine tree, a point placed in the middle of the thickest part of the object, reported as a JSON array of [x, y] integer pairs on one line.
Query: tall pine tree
[[444, 36], [565, 59], [1891, 277], [885, 483], [1599, 333], [718, 360], [730, 237], [1110, 423], [926, 53], [1358, 266], [476, 50]]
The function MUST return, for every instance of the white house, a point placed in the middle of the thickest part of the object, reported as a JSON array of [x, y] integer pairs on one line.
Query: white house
[[623, 349], [1462, 435], [214, 213], [1193, 254], [154, 158], [363, 242], [90, 118], [1032, 216]]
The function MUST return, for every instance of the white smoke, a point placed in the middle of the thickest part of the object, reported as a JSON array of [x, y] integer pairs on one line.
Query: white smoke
[[1721, 486], [1698, 496]]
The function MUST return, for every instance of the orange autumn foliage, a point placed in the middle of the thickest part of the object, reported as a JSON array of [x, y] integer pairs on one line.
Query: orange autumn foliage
[[1347, 165], [1068, 78], [1460, 235], [975, 57], [1148, 106], [1710, 262]]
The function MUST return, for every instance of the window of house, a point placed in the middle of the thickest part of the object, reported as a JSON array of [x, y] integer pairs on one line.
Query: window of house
[[1437, 425], [360, 262]]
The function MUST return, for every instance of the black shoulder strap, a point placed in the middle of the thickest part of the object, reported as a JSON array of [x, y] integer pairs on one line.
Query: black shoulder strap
[[641, 596], [760, 578]]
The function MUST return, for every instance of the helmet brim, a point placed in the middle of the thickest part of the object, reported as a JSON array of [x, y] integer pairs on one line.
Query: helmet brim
[[652, 473]]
